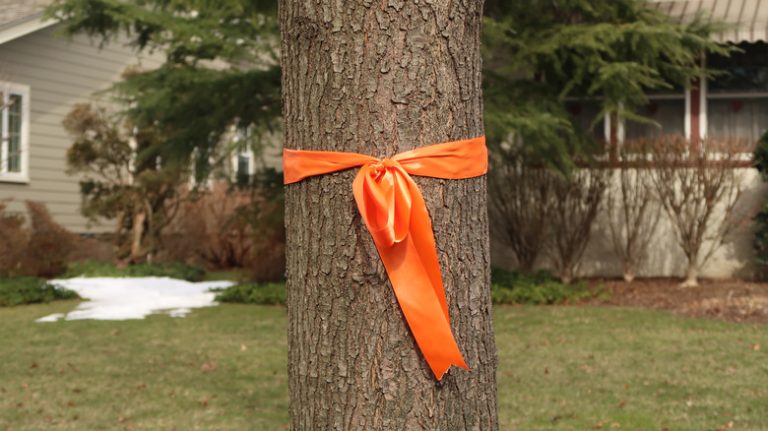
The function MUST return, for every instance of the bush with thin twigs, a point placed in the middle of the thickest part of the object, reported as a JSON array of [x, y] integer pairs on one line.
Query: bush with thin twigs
[[576, 201], [699, 187], [632, 210], [34, 245], [519, 203], [231, 227]]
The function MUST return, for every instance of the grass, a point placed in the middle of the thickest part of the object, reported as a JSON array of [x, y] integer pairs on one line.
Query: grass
[[30, 290], [561, 368]]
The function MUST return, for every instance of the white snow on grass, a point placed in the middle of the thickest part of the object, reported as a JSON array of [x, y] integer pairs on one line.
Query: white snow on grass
[[111, 298]]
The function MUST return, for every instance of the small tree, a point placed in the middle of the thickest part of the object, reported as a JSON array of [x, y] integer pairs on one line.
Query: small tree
[[520, 197], [577, 199], [632, 210], [698, 187], [123, 179]]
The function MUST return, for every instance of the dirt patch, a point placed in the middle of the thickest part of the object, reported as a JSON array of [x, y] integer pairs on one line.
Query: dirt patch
[[732, 300]]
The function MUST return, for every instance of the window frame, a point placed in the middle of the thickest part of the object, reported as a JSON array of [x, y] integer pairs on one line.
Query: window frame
[[7, 89]]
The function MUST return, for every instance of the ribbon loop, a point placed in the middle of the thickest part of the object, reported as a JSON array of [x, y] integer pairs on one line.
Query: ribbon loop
[[395, 214]]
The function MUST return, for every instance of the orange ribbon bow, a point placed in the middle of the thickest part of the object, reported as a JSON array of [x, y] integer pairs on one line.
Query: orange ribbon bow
[[394, 211]]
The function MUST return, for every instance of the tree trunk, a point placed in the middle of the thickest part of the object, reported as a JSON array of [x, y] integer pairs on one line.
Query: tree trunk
[[380, 78], [137, 232], [691, 276]]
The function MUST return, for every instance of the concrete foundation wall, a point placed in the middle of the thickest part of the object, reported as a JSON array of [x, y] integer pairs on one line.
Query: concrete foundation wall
[[735, 258]]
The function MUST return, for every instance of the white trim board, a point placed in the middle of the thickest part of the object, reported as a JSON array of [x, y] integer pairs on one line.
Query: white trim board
[[24, 27]]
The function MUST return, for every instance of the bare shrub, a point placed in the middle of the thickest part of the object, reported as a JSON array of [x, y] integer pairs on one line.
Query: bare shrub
[[227, 227], [49, 243], [520, 200], [575, 204], [97, 248], [698, 187], [632, 209], [204, 232], [33, 245], [13, 242]]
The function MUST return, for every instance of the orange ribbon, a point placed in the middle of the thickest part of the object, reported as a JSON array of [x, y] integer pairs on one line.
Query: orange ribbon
[[394, 211]]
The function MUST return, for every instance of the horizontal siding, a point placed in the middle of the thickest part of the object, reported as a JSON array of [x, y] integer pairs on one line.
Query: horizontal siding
[[60, 73]]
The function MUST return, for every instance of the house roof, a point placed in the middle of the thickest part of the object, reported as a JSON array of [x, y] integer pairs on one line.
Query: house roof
[[747, 20], [21, 17]]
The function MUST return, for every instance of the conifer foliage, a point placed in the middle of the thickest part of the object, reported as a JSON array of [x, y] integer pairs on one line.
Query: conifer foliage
[[538, 54], [220, 68]]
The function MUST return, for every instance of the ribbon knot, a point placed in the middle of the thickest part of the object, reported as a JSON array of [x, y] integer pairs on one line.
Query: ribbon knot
[[387, 198], [395, 214]]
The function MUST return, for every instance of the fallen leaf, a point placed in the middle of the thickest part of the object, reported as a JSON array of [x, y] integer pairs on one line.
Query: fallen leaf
[[726, 426], [756, 347], [209, 366]]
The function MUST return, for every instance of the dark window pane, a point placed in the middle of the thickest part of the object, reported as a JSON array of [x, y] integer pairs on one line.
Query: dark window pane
[[243, 168], [584, 113], [745, 71], [737, 118], [668, 113], [14, 133]]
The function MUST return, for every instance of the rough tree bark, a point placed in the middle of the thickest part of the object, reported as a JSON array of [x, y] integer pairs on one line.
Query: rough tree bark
[[382, 77]]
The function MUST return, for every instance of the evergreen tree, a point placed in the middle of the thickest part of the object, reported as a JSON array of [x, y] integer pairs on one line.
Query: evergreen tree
[[220, 68], [539, 53]]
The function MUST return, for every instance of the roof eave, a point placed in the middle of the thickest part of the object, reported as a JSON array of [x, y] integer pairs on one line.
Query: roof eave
[[22, 27]]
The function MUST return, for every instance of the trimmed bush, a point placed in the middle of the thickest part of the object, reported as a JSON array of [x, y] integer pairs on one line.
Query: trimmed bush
[[165, 269], [34, 245], [253, 293], [30, 290], [539, 288], [508, 287]]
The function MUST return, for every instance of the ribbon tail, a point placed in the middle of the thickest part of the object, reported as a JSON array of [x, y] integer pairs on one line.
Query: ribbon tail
[[414, 271], [421, 306]]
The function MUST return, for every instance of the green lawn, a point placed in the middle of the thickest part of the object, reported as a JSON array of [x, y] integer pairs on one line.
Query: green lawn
[[562, 368]]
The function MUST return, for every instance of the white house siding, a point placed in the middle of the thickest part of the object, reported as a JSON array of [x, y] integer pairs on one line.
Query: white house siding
[[734, 259], [59, 73]]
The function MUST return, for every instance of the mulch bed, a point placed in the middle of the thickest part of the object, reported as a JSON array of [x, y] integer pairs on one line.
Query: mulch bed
[[732, 300]]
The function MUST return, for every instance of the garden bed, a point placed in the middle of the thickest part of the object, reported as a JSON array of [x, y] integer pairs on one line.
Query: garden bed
[[732, 300]]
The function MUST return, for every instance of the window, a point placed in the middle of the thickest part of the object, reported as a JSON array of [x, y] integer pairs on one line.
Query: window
[[667, 111], [737, 100], [243, 157], [14, 132], [243, 169], [585, 114]]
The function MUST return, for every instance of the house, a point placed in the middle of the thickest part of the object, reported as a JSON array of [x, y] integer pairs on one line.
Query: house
[[732, 106], [42, 75]]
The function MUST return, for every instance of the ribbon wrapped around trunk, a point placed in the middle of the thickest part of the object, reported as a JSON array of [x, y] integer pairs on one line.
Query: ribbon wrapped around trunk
[[393, 209]]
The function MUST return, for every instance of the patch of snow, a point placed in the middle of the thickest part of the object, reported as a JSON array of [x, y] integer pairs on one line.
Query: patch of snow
[[111, 298], [51, 317]]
